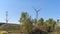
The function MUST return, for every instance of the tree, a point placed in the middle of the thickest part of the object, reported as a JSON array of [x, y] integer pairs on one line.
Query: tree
[[50, 24], [26, 23], [40, 22], [23, 18], [34, 21]]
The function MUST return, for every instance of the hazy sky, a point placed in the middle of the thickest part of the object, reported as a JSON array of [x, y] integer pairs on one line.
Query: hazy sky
[[49, 9]]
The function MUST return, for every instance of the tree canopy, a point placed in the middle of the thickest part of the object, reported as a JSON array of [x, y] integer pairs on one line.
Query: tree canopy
[[28, 24]]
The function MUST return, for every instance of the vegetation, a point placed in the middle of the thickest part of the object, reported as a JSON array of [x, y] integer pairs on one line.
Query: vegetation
[[34, 26]]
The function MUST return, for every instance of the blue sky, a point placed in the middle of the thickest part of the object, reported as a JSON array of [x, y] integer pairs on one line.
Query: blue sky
[[49, 9]]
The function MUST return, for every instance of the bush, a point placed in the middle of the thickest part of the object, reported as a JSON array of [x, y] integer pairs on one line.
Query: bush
[[37, 31]]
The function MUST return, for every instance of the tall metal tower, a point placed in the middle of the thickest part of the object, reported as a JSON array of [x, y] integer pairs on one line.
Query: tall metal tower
[[6, 16], [36, 10]]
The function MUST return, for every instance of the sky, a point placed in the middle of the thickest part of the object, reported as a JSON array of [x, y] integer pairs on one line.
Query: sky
[[49, 9]]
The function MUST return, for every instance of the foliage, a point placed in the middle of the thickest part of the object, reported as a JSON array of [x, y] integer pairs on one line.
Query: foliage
[[38, 31], [40, 22], [50, 24], [28, 24]]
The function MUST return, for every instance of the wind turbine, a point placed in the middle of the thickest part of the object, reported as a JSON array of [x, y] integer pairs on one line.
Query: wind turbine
[[6, 16], [6, 20], [37, 11]]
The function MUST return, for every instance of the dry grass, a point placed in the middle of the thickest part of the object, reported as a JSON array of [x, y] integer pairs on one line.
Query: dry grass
[[53, 33]]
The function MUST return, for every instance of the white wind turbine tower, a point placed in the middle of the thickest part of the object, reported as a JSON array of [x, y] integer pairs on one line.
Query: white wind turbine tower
[[37, 11], [6, 16]]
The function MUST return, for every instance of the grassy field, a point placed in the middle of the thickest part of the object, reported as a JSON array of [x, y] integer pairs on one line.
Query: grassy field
[[54, 33]]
